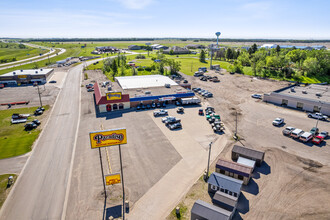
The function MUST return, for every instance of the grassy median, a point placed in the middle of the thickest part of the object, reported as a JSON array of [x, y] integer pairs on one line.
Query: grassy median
[[4, 187], [14, 140]]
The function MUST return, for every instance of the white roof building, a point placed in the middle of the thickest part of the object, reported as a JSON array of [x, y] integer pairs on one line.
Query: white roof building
[[246, 162], [145, 81]]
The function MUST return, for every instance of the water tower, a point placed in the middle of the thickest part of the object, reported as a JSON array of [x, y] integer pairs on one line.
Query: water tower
[[217, 34]]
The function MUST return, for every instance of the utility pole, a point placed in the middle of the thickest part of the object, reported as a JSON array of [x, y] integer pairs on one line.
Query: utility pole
[[208, 162], [318, 118], [39, 95]]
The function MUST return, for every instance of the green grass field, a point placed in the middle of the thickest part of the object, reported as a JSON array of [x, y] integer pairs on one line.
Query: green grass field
[[14, 140], [13, 51], [4, 189]]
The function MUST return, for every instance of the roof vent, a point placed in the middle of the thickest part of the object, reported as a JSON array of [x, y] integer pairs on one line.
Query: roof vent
[[168, 85], [21, 70], [14, 73], [36, 71], [318, 94], [147, 92], [304, 92], [40, 69]]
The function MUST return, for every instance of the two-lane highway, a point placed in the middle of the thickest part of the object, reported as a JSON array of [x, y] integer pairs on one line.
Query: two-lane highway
[[41, 188]]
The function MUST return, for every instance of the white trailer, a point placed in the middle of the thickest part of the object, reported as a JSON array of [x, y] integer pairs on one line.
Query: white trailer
[[193, 100]]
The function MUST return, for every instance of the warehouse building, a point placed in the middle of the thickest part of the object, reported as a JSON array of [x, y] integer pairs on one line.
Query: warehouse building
[[131, 91], [19, 77], [311, 98], [202, 210], [239, 151], [234, 170]]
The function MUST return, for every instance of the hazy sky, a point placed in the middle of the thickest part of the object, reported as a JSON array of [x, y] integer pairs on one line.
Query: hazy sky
[[294, 19]]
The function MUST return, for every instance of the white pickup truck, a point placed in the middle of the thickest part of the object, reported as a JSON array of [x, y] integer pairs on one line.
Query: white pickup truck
[[319, 116], [160, 112]]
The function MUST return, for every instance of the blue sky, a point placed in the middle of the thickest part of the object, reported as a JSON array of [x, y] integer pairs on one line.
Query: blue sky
[[294, 19]]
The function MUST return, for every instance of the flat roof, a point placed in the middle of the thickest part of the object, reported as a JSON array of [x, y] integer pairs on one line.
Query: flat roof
[[28, 72], [248, 152], [154, 91], [145, 81], [308, 92], [209, 211], [246, 162]]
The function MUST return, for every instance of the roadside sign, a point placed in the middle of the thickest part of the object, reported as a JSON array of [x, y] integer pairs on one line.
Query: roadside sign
[[113, 95], [112, 179], [108, 138]]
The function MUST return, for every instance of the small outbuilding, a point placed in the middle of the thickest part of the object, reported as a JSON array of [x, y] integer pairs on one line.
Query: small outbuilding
[[204, 211], [225, 201], [239, 151], [225, 184], [247, 162], [234, 170]]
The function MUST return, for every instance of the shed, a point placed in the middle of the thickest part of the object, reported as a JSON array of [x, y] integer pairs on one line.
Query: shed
[[235, 170], [248, 153], [247, 162], [223, 183], [202, 210], [225, 201]]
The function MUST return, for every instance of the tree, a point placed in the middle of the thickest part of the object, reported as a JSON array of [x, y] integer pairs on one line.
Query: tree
[[171, 52], [237, 67], [148, 48], [175, 66], [254, 48], [202, 57], [161, 68], [114, 69], [229, 54], [244, 59], [311, 66], [134, 72], [278, 49]]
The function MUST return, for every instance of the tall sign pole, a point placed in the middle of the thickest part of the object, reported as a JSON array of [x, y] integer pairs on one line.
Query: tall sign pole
[[122, 181], [39, 95], [208, 162]]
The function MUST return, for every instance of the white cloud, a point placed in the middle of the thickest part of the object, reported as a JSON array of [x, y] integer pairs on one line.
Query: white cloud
[[135, 4]]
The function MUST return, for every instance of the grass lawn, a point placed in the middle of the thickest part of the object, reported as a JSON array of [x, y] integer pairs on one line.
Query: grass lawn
[[4, 188], [14, 140]]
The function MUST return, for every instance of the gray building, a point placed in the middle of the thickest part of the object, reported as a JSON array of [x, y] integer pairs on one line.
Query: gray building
[[225, 184], [177, 50], [225, 201], [235, 170], [134, 47], [204, 211], [19, 77], [248, 153], [311, 98]]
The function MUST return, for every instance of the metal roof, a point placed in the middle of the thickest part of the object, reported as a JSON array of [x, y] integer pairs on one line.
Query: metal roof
[[209, 211], [225, 182], [246, 162], [248, 152], [233, 167], [28, 72], [225, 198], [145, 81]]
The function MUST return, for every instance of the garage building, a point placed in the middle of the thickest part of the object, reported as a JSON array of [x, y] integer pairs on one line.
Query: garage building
[[202, 210], [19, 77], [311, 98], [239, 151]]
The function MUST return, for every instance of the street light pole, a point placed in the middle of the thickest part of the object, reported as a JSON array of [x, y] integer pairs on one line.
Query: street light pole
[[318, 118], [39, 95], [208, 162]]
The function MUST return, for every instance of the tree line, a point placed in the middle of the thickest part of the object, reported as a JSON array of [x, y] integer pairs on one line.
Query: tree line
[[277, 62]]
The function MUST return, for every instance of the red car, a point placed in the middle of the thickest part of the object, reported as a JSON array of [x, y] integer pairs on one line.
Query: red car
[[318, 139]]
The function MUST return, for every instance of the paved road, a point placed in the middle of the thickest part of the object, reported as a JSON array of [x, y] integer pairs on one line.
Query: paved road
[[31, 58], [40, 190], [37, 60], [13, 165]]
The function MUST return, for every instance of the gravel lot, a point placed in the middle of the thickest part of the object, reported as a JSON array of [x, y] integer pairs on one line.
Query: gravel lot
[[295, 181]]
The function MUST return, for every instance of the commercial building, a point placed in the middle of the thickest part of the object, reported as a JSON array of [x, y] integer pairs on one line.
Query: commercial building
[[134, 47], [176, 50], [202, 210], [234, 170], [239, 151], [311, 98], [195, 46], [136, 90], [19, 77]]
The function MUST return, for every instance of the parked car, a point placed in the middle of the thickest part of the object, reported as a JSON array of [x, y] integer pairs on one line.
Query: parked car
[[30, 126], [318, 139], [52, 81], [175, 126], [216, 80], [163, 105], [160, 112], [314, 131], [172, 120], [319, 116], [177, 103], [180, 110], [138, 107], [158, 105], [166, 118], [148, 106], [288, 130], [256, 96], [324, 134], [19, 116], [38, 112], [200, 112], [153, 105], [36, 121], [296, 133], [305, 137], [90, 90], [278, 121], [143, 107]]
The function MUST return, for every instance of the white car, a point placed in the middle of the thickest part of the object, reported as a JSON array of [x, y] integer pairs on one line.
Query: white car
[[305, 137], [166, 118], [319, 116], [256, 96], [160, 112], [278, 121]]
